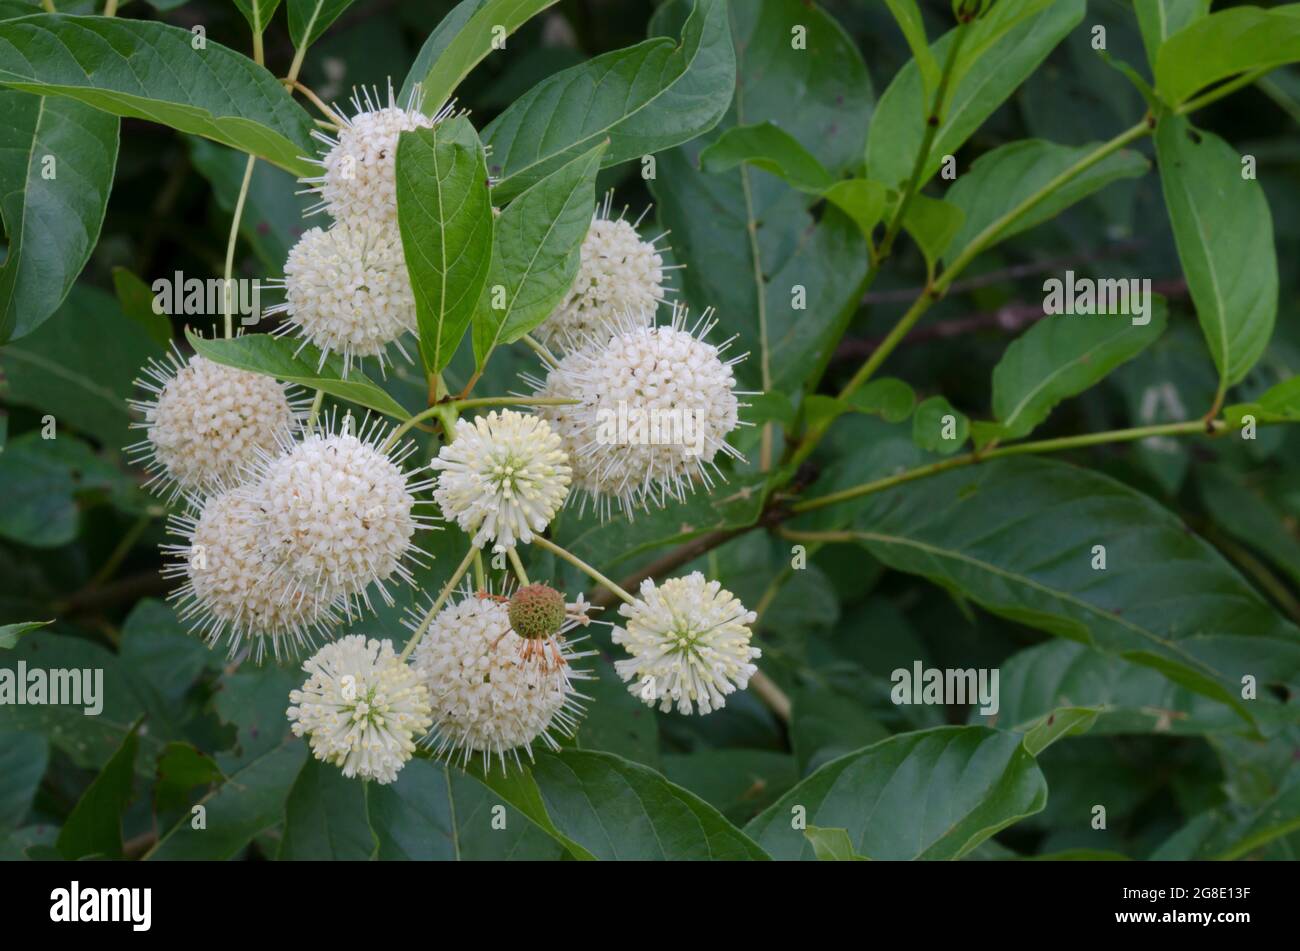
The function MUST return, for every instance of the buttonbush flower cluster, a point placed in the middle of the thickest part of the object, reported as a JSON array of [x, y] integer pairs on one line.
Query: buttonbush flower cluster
[[293, 521]]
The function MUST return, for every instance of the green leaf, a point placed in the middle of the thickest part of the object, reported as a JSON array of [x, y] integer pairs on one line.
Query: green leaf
[[308, 19], [136, 300], [325, 817], [1005, 177], [937, 427], [648, 97], [95, 825], [1059, 357], [258, 13], [213, 92], [9, 633], [740, 783], [769, 147], [1129, 699], [81, 366], [296, 362], [1224, 44], [898, 125], [933, 794], [1279, 404], [56, 171], [1063, 721], [466, 35], [446, 221], [536, 249], [1224, 233], [433, 813], [601, 806], [1231, 833], [23, 758], [832, 845], [932, 223], [908, 16], [1165, 600], [1161, 19], [748, 239], [182, 768]]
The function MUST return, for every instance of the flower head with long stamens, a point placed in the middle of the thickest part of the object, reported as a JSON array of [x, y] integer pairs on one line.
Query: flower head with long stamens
[[654, 406], [225, 590], [494, 692], [347, 291], [502, 478], [358, 170], [362, 708], [206, 423], [336, 514], [619, 275], [690, 644]]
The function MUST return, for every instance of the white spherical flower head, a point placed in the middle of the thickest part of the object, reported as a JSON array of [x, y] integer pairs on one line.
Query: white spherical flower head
[[493, 691], [358, 170], [225, 590], [502, 478], [689, 641], [654, 407], [206, 423], [347, 291], [620, 276], [362, 708], [337, 514]]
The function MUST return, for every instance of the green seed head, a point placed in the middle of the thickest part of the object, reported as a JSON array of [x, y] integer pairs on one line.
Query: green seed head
[[537, 612]]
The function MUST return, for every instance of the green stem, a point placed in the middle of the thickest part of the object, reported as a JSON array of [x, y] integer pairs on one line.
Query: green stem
[[933, 121], [540, 349], [1017, 449], [519, 566], [120, 552], [110, 8], [480, 576], [48, 6], [230, 247], [582, 566], [296, 66], [315, 411], [437, 605], [1218, 92], [441, 410]]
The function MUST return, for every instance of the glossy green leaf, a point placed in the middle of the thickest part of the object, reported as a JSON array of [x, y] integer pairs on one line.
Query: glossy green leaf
[[435, 813], [1165, 600], [536, 248], [1059, 357], [1161, 19], [468, 34], [601, 806], [649, 97], [1006, 177], [937, 427], [1223, 44], [1224, 232], [213, 91], [769, 147], [294, 362], [1060, 722], [258, 13], [934, 794], [325, 817], [898, 126], [9, 633], [95, 825], [908, 16], [832, 845], [308, 19], [56, 170], [446, 220]]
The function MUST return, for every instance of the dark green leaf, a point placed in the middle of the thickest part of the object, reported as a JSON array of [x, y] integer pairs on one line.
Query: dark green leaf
[[937, 427], [23, 757], [136, 300], [446, 222], [258, 13], [770, 148], [213, 91], [1161, 19], [325, 817], [934, 794], [932, 223], [9, 633], [1224, 44], [832, 845], [1224, 234], [308, 19], [649, 97], [56, 171], [294, 362], [536, 248], [95, 825]]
